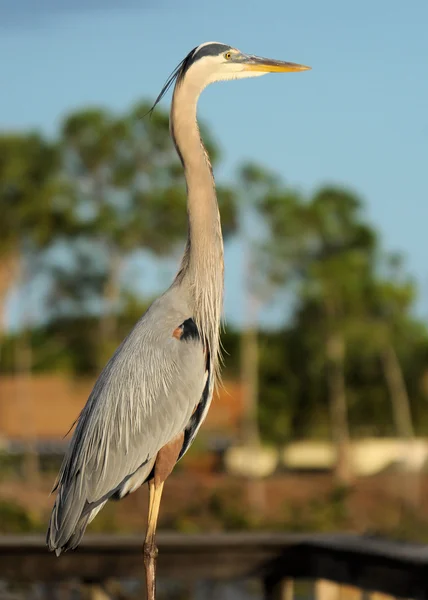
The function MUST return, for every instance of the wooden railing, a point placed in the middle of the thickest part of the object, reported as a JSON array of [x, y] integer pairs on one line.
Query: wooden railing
[[339, 565]]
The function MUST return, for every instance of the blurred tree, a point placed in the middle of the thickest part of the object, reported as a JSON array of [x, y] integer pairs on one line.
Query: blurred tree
[[389, 303], [324, 251], [254, 183], [33, 214], [390, 323], [30, 204]]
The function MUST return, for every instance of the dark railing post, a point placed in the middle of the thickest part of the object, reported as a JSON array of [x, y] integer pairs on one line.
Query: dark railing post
[[278, 590]]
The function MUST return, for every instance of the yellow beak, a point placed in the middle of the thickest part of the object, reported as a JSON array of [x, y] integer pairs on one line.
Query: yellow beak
[[267, 65]]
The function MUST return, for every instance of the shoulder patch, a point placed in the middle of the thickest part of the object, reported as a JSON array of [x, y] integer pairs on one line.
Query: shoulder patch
[[186, 331]]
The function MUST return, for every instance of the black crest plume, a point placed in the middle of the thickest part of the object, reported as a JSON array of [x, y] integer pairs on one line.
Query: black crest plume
[[176, 75]]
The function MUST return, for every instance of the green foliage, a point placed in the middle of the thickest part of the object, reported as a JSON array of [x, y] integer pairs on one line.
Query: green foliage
[[221, 511], [322, 514], [10, 464], [327, 256], [228, 511], [106, 521], [15, 519], [27, 190]]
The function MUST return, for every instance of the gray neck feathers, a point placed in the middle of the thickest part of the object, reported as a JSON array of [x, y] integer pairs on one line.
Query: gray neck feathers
[[202, 267]]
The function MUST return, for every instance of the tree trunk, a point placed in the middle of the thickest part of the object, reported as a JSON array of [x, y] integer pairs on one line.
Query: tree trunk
[[23, 362], [398, 392], [335, 353], [23, 368], [250, 383], [250, 427], [402, 418], [9, 273], [249, 352]]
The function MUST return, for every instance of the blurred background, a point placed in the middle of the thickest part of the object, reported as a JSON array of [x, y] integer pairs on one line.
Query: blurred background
[[322, 423]]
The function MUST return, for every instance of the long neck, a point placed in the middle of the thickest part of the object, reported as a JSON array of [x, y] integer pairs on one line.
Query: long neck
[[202, 267]]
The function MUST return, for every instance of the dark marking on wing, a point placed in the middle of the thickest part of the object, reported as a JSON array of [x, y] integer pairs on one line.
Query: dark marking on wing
[[190, 331], [186, 331], [195, 419]]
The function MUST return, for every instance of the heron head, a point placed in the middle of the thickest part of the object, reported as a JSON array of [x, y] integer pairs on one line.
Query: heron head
[[213, 61]]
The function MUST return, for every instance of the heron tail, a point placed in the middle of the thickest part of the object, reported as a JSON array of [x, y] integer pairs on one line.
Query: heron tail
[[68, 519]]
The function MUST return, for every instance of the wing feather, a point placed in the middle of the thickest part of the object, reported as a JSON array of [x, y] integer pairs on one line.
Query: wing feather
[[144, 397]]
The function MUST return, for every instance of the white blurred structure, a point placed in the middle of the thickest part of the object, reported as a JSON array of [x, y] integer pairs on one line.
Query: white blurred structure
[[369, 457], [253, 462]]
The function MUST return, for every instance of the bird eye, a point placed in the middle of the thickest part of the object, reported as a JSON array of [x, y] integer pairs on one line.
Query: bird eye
[[228, 55]]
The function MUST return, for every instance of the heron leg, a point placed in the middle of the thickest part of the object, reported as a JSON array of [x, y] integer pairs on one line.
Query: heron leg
[[150, 550]]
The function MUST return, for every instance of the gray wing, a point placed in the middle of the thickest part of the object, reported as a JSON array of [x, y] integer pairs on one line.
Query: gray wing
[[144, 397]]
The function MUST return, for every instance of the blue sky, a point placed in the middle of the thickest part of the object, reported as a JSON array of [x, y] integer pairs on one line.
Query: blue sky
[[358, 118]]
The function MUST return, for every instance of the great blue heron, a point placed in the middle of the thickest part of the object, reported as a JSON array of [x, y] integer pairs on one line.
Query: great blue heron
[[152, 396]]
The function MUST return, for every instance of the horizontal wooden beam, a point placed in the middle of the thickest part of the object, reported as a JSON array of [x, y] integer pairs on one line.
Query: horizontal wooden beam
[[100, 557], [366, 563]]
